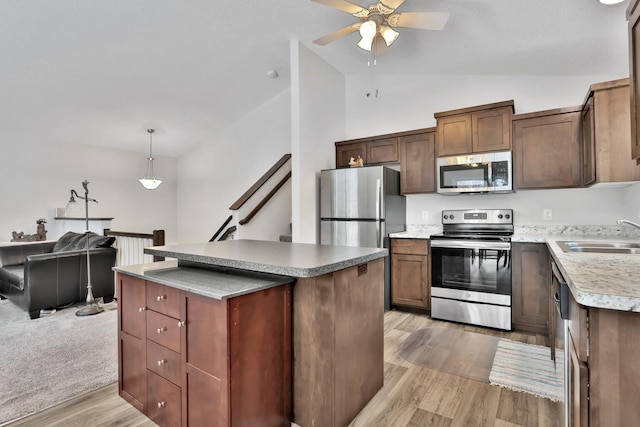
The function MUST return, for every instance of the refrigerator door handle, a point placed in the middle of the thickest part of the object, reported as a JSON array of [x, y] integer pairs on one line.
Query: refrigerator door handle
[[378, 212]]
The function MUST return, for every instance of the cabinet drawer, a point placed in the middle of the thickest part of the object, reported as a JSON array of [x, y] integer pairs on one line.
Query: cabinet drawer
[[163, 330], [410, 246], [163, 299], [164, 401], [163, 362]]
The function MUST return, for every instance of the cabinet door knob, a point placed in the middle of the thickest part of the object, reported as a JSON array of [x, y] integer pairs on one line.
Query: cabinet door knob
[[180, 323], [160, 404], [160, 297], [161, 362], [142, 309], [161, 330]]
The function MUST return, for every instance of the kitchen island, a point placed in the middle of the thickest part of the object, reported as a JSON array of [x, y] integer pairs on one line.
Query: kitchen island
[[316, 313]]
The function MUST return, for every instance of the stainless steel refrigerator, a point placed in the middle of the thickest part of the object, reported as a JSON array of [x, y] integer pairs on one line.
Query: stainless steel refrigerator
[[360, 207]]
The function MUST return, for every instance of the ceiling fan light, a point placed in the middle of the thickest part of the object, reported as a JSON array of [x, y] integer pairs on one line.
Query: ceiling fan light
[[365, 44], [388, 34], [368, 30]]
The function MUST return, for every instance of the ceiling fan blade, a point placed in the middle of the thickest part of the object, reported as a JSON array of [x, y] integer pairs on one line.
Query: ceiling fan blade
[[344, 5], [422, 20], [392, 4], [337, 34]]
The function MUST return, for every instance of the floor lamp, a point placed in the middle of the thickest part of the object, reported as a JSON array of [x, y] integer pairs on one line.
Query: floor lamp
[[91, 307]]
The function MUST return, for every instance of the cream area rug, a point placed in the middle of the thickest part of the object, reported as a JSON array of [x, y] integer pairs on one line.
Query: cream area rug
[[528, 368], [45, 361]]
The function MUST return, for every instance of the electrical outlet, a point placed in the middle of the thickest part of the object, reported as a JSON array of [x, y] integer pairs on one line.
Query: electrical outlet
[[547, 214], [425, 215]]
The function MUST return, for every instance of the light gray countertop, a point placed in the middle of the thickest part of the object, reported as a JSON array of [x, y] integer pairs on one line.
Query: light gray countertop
[[596, 280], [283, 258], [212, 282]]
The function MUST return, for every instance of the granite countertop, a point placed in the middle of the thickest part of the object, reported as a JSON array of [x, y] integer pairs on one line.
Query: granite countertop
[[283, 258], [596, 280], [212, 282], [599, 280]]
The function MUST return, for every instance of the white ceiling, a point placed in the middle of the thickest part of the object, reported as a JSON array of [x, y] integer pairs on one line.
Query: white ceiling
[[101, 72]]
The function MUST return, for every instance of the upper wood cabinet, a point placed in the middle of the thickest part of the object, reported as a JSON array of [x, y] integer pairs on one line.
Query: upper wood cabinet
[[417, 162], [374, 150], [633, 16], [546, 149], [345, 151], [475, 129], [606, 134]]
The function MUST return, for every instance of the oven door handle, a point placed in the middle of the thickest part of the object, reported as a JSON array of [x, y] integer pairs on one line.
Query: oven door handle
[[470, 244]]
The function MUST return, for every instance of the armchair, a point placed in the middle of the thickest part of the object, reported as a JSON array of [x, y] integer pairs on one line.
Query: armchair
[[43, 275]]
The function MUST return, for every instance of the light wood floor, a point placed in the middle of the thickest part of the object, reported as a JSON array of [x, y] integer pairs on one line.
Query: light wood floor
[[412, 395]]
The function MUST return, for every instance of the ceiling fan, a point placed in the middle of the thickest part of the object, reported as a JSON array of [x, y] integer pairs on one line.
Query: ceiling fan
[[380, 18]]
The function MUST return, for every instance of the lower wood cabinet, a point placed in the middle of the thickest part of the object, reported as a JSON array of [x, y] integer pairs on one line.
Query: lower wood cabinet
[[410, 273], [201, 361], [530, 281]]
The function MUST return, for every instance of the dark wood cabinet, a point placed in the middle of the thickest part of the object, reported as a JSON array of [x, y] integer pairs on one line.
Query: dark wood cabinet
[[476, 129], [530, 281], [606, 134], [588, 142], [410, 273], [546, 149], [383, 150], [633, 18], [417, 162], [346, 151], [373, 150], [193, 360], [132, 339]]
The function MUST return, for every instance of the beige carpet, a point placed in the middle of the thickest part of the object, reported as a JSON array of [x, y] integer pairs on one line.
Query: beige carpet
[[46, 361]]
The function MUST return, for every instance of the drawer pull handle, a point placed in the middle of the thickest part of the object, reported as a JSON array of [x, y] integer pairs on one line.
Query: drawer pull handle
[[160, 297], [142, 309], [180, 323], [161, 330], [161, 362], [160, 404]]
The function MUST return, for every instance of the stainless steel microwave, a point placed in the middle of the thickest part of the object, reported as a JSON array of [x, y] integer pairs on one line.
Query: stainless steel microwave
[[475, 173]]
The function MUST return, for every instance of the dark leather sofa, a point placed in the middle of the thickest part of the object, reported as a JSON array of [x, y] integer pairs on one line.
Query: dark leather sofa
[[43, 275]]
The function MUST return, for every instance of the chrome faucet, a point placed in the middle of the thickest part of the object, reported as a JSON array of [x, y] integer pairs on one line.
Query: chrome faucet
[[624, 221]]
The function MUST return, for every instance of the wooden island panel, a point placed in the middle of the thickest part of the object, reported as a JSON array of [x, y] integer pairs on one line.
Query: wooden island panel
[[338, 349]]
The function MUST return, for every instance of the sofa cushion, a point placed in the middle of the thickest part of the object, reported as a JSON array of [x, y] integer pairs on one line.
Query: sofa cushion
[[71, 241], [13, 275]]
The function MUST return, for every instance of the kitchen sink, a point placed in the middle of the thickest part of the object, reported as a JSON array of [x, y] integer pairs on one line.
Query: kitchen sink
[[600, 247]]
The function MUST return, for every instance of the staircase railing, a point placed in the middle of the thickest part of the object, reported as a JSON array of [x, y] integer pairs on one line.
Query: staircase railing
[[131, 245], [249, 194]]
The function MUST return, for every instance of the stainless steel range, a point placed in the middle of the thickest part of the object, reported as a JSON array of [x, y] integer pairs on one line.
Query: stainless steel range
[[471, 267]]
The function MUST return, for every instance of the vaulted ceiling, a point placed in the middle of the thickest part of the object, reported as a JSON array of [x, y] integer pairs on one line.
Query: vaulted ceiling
[[100, 72]]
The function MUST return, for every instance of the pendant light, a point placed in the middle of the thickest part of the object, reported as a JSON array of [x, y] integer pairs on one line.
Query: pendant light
[[149, 181]]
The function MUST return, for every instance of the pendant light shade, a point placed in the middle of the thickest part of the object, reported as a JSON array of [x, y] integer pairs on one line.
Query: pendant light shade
[[149, 181]]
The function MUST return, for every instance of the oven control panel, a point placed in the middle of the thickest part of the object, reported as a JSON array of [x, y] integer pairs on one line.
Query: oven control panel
[[478, 216]]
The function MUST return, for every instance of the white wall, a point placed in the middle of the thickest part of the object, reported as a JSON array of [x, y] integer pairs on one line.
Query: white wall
[[216, 173], [38, 176], [580, 206], [318, 120], [409, 102]]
